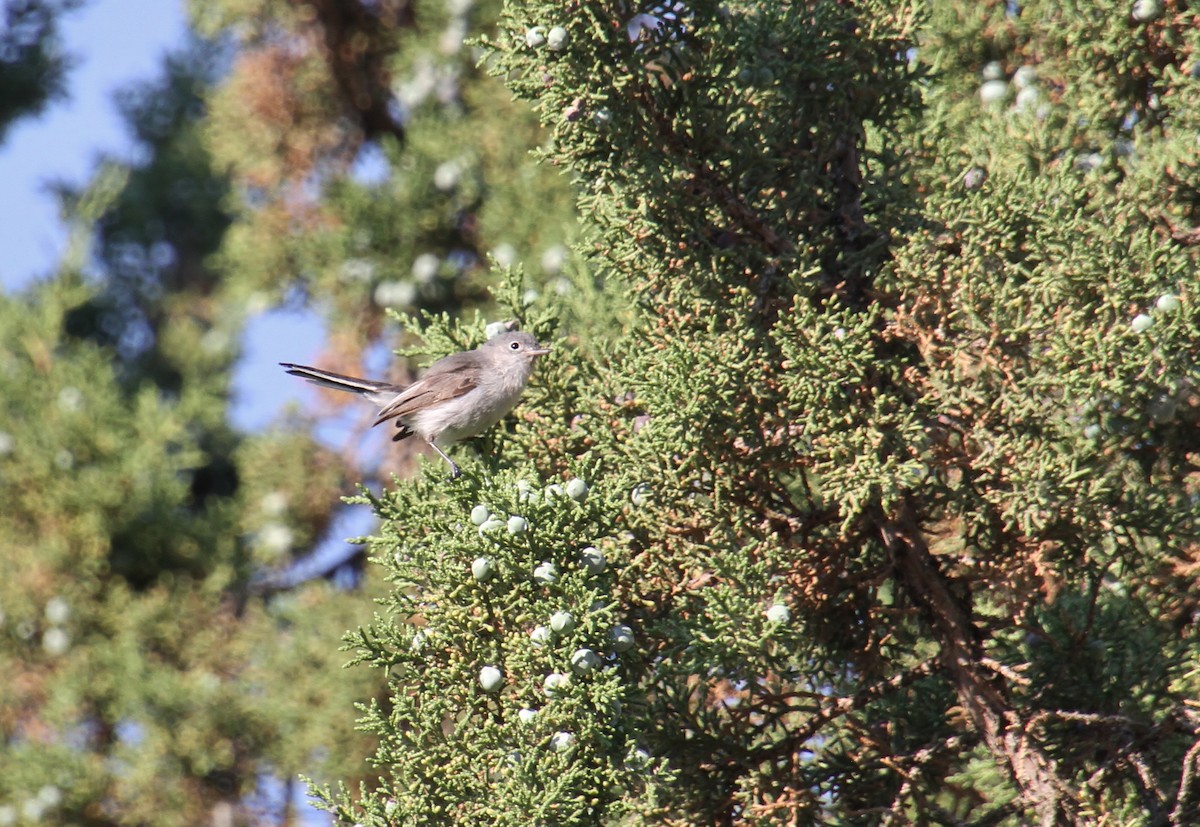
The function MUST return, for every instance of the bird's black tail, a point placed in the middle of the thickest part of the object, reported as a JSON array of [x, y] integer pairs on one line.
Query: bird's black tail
[[338, 381]]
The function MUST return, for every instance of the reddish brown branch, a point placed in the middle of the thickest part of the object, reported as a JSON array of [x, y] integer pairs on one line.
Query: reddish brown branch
[[841, 707], [1187, 803], [980, 690]]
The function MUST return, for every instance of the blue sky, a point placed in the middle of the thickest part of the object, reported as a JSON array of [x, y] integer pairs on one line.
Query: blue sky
[[116, 42], [64, 142]]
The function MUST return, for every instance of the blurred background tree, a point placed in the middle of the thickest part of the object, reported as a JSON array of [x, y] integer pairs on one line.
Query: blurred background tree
[[860, 488], [32, 66], [171, 642], [147, 683]]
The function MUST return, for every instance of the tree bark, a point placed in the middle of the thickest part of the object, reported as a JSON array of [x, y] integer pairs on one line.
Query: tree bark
[[981, 691]]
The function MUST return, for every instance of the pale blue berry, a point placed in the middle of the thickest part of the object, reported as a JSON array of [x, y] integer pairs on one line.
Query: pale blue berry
[[58, 611], [640, 495], [584, 661], [592, 559], [527, 715], [480, 514], [535, 37], [600, 606], [55, 641], [505, 254], [1027, 98], [1167, 303], [557, 38], [779, 613], [561, 741], [1146, 10], [993, 90], [622, 637], [1141, 323], [445, 178], [425, 266], [638, 759], [577, 489], [490, 678], [562, 622], [483, 568], [540, 636], [555, 256], [50, 795], [490, 526], [993, 70], [517, 525], [1024, 77], [546, 573], [555, 683]]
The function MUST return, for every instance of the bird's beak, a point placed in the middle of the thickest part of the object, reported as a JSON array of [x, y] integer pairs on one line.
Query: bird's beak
[[540, 350]]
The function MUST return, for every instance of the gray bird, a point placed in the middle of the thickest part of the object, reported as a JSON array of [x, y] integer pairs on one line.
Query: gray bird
[[458, 396]]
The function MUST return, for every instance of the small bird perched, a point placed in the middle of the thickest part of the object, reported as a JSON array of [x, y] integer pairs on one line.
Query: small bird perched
[[458, 396]]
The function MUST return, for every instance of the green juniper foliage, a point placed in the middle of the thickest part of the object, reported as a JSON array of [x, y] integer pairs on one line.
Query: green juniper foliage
[[509, 673], [880, 372]]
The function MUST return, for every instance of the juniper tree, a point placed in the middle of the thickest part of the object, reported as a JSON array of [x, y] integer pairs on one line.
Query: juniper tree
[[861, 486]]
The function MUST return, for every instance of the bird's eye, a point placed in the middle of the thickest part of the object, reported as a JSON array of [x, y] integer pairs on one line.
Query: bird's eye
[[515, 346]]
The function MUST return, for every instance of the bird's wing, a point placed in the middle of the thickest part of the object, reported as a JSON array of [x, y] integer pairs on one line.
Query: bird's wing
[[446, 379]]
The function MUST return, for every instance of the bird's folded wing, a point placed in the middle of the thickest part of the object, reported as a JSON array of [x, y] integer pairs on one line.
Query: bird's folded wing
[[429, 391]]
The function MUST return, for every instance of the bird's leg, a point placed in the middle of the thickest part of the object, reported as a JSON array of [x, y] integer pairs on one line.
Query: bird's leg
[[454, 472]]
